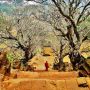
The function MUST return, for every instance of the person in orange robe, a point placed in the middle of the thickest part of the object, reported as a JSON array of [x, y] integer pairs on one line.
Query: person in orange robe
[[46, 66]]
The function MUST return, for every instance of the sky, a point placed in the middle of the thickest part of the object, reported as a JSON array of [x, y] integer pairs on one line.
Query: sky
[[10, 1], [19, 1]]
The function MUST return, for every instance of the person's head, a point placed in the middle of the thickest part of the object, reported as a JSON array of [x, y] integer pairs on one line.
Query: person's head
[[46, 61]]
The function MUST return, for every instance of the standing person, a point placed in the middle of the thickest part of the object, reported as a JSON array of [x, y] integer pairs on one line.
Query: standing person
[[46, 66]]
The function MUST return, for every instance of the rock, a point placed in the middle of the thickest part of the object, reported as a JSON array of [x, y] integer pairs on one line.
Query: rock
[[38, 62], [28, 68], [16, 64], [14, 76], [1, 77]]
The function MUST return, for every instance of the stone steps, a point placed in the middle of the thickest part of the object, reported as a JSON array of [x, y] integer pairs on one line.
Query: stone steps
[[45, 84]]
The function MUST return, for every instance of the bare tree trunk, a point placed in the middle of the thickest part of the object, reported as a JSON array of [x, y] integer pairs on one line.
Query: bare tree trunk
[[75, 58], [27, 56], [61, 64]]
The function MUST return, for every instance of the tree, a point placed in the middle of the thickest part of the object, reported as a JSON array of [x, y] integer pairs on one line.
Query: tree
[[77, 12], [22, 39], [74, 13], [26, 33]]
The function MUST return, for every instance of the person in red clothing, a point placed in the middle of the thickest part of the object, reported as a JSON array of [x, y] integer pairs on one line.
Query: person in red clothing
[[46, 66]]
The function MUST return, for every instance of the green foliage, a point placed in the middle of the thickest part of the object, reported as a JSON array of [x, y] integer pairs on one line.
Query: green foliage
[[85, 24], [10, 56], [1, 19], [37, 50], [3, 22]]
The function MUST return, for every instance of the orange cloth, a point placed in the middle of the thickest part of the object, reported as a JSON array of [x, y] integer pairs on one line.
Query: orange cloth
[[46, 66]]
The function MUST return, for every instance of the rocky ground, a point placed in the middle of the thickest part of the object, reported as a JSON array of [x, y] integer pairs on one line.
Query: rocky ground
[[41, 80]]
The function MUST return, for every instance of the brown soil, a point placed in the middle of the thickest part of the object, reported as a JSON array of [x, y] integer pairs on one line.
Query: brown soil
[[41, 80]]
